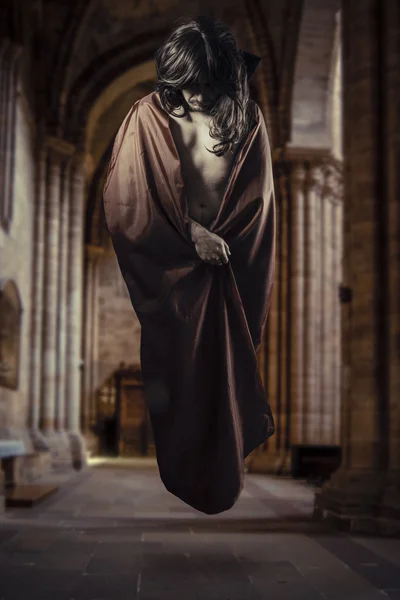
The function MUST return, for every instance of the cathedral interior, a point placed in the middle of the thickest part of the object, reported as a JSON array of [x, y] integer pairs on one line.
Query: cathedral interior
[[82, 512]]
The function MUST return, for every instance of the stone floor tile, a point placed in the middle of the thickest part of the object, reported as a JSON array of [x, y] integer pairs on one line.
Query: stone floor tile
[[24, 582], [116, 533], [378, 571], [97, 586], [280, 580], [26, 541], [115, 558], [7, 535], [387, 548]]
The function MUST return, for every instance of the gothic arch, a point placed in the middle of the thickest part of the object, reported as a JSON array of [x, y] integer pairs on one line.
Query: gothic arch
[[310, 98], [97, 77], [104, 38], [102, 122]]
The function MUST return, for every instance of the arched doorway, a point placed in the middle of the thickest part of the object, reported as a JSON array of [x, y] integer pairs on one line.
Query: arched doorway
[[123, 421]]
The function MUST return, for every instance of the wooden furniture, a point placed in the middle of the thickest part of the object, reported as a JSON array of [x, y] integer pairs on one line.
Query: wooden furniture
[[135, 435]]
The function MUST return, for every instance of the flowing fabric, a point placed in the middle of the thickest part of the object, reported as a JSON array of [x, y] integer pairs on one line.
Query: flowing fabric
[[201, 324]]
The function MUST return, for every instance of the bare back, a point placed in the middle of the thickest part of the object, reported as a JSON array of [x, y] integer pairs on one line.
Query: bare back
[[204, 174]]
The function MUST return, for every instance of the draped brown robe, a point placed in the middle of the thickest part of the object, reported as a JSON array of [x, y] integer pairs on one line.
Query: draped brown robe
[[201, 324]]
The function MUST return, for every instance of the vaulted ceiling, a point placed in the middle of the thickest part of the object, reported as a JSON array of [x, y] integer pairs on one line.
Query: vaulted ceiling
[[90, 59], [83, 45]]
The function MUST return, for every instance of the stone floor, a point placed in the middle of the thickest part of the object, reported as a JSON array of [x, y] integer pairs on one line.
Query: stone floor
[[113, 532]]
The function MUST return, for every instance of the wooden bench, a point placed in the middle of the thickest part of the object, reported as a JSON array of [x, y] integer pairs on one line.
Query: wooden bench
[[9, 450], [12, 493]]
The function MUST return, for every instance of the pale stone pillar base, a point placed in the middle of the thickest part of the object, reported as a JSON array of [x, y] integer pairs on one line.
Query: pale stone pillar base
[[350, 500], [91, 443], [78, 450], [60, 449], [39, 441]]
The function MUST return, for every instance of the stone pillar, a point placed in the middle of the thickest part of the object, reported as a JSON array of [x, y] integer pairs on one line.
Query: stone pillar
[[325, 323], [311, 306], [63, 256], [284, 301], [88, 339], [370, 34], [92, 255], [337, 254], [39, 442], [297, 299], [301, 327], [74, 310], [95, 375], [57, 151], [320, 275], [390, 503], [331, 256]]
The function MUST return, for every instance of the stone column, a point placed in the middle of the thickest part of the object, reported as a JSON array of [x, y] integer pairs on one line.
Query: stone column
[[300, 325], [328, 302], [284, 331], [63, 256], [88, 340], [336, 366], [326, 324], [311, 306], [297, 329], [370, 34], [95, 375], [92, 255], [39, 442], [318, 307], [57, 152], [74, 310], [390, 504]]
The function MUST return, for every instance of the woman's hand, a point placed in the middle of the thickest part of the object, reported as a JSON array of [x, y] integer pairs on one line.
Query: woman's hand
[[209, 246]]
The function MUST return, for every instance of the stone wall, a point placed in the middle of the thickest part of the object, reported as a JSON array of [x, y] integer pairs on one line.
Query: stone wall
[[16, 264], [119, 328]]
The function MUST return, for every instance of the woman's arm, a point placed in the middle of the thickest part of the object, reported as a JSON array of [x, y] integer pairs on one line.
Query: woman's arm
[[209, 246], [195, 229]]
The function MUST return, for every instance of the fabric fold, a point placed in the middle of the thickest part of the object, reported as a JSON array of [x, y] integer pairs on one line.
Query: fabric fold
[[201, 324]]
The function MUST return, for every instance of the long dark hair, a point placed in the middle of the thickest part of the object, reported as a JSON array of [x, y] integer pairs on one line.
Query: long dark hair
[[203, 49]]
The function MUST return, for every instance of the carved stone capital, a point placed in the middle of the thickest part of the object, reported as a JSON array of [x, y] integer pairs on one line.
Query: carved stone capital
[[80, 164], [315, 178], [315, 156], [333, 183], [298, 175]]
